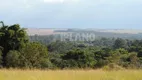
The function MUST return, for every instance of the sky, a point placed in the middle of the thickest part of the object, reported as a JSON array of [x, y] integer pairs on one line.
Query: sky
[[100, 14]]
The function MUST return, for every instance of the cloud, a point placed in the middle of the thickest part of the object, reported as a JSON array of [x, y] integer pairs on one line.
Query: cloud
[[53, 1], [60, 1], [70, 13]]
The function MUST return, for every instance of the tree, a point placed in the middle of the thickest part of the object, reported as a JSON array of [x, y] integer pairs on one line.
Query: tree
[[133, 60], [60, 47], [79, 58], [102, 57], [13, 59], [12, 38], [33, 55], [55, 59], [1, 56], [2, 23], [120, 43]]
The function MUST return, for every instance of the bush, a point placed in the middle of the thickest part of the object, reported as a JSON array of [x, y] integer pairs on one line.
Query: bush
[[112, 66], [33, 54], [79, 58], [13, 59], [0, 58]]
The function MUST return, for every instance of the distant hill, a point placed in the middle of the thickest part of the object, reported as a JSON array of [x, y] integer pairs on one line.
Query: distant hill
[[122, 33]]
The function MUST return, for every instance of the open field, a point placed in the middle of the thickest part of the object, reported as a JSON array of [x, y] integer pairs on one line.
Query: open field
[[70, 75]]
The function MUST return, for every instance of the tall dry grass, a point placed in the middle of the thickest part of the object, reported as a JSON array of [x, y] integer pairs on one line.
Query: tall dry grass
[[70, 75]]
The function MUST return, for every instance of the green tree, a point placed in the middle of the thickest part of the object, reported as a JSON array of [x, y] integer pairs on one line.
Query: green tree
[[133, 60], [33, 55], [13, 59], [79, 58], [1, 56], [12, 38], [120, 43], [102, 57]]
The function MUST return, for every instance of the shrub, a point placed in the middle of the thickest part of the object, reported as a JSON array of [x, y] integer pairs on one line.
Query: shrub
[[112, 66]]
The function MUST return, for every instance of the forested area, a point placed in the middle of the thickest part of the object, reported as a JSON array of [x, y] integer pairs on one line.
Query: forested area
[[18, 50]]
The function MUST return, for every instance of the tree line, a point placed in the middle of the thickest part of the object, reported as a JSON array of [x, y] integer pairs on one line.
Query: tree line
[[18, 50]]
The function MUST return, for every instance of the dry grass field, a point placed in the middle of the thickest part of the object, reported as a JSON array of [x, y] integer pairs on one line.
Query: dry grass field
[[70, 75]]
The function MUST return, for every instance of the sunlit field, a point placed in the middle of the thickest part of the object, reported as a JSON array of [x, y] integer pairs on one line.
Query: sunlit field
[[70, 75]]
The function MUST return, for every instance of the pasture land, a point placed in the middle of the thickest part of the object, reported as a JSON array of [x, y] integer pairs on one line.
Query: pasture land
[[70, 75]]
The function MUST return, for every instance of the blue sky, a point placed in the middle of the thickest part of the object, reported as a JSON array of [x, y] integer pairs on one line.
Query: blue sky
[[103, 14]]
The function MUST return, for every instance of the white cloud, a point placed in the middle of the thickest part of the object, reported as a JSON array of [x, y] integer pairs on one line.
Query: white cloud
[[54, 1], [61, 1]]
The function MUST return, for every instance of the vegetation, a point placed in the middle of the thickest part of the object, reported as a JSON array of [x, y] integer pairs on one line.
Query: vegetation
[[70, 75], [17, 50]]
